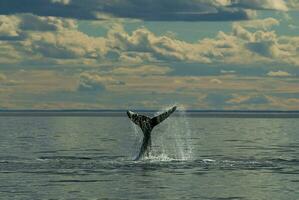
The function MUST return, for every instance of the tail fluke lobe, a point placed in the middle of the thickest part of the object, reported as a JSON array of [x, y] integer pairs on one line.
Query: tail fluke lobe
[[160, 118], [142, 121], [134, 117]]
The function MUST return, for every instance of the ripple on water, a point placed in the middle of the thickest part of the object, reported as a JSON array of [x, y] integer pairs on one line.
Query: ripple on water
[[118, 162]]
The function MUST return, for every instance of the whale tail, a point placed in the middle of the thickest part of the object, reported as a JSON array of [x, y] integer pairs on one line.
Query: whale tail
[[148, 123]]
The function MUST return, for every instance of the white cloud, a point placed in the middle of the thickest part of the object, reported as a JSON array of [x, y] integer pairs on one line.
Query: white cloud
[[216, 81], [293, 4], [9, 26], [264, 24], [268, 45], [248, 99], [89, 81], [64, 2], [283, 103], [228, 71], [241, 46], [62, 43], [263, 4], [67, 44], [160, 47], [278, 73]]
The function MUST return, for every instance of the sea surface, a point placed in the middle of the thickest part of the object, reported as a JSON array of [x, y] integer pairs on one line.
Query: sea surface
[[79, 157]]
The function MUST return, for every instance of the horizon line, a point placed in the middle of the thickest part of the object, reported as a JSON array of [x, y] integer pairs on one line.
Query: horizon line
[[122, 113], [138, 110]]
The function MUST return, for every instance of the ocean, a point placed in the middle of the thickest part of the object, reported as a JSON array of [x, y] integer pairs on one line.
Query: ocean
[[193, 157]]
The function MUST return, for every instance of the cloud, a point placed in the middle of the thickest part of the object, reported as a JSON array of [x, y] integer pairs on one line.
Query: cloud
[[264, 24], [283, 103], [248, 100], [31, 22], [262, 4], [227, 71], [268, 44], [237, 99], [48, 41], [159, 47], [279, 74], [9, 27], [293, 4], [15, 27], [2, 77], [262, 101], [93, 82], [64, 2], [67, 45], [50, 87], [256, 100], [60, 39], [217, 100], [8, 53], [175, 10], [145, 70], [62, 43], [260, 42], [50, 8], [216, 81], [155, 10]]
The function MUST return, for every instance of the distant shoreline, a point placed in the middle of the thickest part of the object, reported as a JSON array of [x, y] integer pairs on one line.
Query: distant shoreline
[[122, 113]]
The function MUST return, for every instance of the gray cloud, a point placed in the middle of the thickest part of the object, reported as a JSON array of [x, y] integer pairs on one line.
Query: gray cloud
[[151, 10], [174, 10], [47, 8], [31, 22]]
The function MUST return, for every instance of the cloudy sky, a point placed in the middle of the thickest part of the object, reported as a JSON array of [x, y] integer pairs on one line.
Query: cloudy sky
[[119, 54]]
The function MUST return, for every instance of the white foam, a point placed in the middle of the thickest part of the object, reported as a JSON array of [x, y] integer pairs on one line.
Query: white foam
[[209, 160], [161, 158]]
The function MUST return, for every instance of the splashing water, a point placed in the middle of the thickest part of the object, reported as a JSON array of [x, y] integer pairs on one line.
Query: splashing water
[[171, 140], [138, 139]]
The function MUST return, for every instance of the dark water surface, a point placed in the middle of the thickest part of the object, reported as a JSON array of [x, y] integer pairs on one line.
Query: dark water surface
[[91, 158]]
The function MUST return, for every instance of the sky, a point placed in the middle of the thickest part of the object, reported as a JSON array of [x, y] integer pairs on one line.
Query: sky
[[148, 54]]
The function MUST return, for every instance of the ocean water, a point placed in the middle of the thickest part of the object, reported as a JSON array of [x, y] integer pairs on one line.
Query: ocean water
[[192, 158]]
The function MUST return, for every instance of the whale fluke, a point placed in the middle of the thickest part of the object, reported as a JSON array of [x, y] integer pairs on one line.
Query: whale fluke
[[147, 124]]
